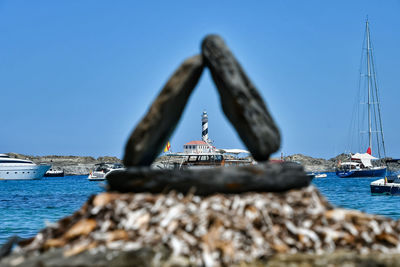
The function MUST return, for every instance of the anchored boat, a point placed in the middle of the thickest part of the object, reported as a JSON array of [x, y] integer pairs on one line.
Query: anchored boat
[[321, 175], [390, 185], [54, 173], [102, 169], [20, 169], [361, 164]]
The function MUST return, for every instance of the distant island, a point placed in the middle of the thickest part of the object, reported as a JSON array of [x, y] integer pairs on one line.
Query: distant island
[[80, 165]]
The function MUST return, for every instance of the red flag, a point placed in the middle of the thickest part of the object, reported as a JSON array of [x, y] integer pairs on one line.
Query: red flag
[[369, 151]]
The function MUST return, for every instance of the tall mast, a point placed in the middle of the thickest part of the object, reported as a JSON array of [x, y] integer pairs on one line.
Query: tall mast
[[375, 98], [369, 87]]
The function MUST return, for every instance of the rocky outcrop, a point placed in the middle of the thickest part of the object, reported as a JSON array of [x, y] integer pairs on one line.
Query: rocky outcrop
[[313, 164]]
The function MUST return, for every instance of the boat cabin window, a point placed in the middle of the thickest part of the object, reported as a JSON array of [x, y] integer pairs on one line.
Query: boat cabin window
[[15, 161], [117, 165], [205, 158], [192, 158]]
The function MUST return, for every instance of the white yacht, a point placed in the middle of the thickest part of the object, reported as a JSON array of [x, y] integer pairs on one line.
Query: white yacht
[[20, 169]]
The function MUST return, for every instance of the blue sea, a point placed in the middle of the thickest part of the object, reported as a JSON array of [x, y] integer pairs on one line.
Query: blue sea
[[26, 206]]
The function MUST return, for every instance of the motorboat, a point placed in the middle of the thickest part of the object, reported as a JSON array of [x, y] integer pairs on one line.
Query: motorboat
[[386, 186], [389, 185], [321, 175], [20, 169], [54, 173], [102, 169]]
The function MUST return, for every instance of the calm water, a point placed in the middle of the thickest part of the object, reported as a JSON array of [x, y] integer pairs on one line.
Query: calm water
[[354, 193], [25, 206]]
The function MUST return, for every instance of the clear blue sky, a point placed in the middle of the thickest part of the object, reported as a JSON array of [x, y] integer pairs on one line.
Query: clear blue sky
[[77, 76]]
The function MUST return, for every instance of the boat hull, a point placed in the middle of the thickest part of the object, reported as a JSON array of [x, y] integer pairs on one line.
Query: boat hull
[[381, 188], [378, 172], [96, 176], [33, 172], [54, 174]]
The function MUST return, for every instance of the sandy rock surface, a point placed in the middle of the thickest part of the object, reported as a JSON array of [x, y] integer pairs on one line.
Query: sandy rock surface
[[218, 230]]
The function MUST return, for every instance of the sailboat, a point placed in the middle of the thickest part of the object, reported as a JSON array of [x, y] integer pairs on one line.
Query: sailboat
[[360, 164]]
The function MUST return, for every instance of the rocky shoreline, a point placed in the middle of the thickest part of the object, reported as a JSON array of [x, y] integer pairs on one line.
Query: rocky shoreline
[[311, 164], [81, 165]]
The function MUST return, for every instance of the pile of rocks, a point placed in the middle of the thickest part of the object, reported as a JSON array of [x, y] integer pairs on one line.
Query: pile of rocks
[[218, 230]]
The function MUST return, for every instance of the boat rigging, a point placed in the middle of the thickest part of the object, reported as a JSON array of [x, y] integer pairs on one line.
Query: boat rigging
[[360, 164]]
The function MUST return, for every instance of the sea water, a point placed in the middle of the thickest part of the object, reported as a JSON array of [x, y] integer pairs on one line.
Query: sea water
[[355, 193], [26, 206]]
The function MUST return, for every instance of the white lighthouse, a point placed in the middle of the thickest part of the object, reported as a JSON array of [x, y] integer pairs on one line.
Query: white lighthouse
[[203, 146], [204, 127]]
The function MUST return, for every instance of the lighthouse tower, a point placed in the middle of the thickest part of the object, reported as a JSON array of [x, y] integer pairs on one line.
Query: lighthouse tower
[[204, 127], [203, 146]]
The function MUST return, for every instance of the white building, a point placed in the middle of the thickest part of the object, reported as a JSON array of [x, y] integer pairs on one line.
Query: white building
[[197, 147]]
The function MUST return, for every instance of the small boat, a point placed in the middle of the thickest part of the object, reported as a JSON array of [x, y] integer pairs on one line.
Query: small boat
[[321, 175], [390, 185], [101, 169], [20, 169], [54, 173], [360, 164], [386, 186]]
